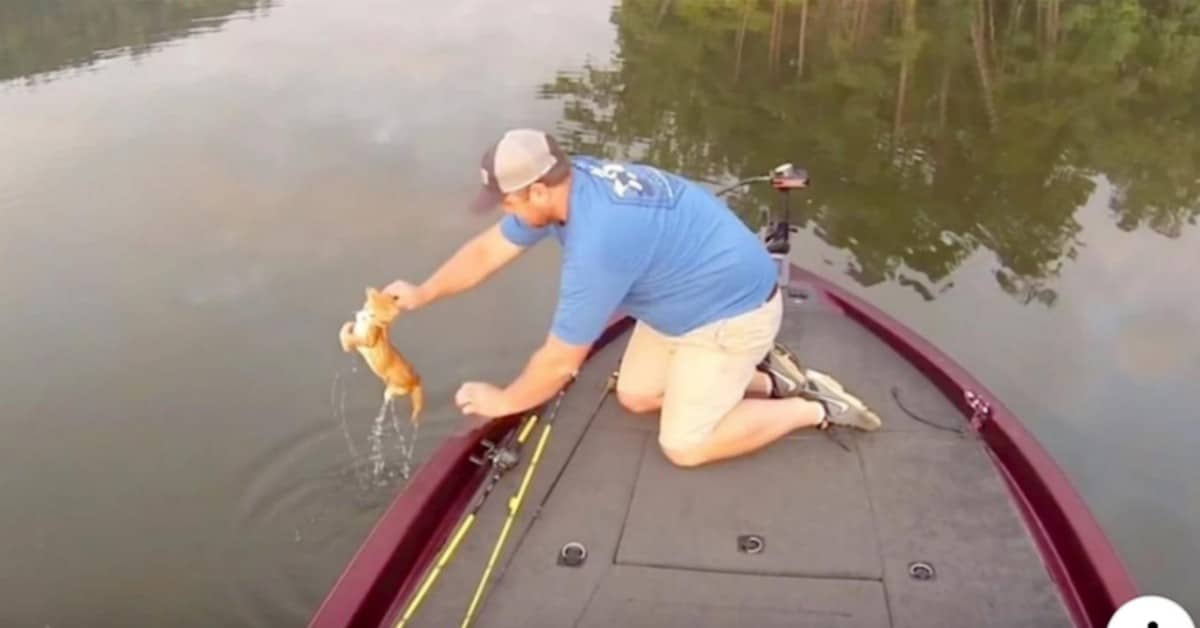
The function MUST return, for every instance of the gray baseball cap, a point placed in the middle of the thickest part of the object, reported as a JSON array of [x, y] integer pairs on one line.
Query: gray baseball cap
[[519, 158]]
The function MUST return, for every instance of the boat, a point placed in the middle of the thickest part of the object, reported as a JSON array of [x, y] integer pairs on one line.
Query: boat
[[952, 514]]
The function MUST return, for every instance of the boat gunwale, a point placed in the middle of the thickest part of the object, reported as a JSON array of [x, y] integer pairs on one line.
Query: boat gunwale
[[386, 568], [1090, 576], [1081, 560]]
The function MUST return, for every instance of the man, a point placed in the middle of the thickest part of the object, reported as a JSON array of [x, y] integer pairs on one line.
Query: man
[[666, 251]]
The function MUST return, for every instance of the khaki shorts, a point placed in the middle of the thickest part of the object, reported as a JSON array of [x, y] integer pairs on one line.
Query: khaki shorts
[[700, 375]]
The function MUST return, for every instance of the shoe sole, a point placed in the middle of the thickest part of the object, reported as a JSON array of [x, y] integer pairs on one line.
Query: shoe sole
[[865, 419]]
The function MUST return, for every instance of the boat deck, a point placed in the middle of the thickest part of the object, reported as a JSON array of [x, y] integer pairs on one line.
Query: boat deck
[[839, 529]]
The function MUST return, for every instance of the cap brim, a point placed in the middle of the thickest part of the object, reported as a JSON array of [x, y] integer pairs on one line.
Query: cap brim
[[486, 201]]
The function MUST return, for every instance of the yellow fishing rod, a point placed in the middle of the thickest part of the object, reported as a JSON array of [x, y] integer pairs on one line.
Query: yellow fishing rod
[[502, 458], [514, 502]]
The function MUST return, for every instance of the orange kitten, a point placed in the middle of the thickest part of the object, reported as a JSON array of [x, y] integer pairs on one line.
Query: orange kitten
[[368, 333]]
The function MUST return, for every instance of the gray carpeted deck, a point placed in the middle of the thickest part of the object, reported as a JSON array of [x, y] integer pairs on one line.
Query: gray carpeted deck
[[840, 528]]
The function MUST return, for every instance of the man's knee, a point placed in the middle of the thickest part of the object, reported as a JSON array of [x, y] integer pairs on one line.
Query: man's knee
[[683, 449], [638, 403], [686, 456], [685, 431]]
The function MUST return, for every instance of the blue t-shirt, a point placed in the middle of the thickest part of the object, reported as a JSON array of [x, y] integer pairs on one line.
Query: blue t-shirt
[[652, 245]]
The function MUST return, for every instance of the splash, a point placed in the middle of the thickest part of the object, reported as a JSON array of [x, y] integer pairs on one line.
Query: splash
[[374, 469], [338, 402], [378, 463], [406, 453]]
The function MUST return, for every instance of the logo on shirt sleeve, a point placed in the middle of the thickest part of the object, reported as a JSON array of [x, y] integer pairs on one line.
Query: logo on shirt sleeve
[[622, 180], [637, 185]]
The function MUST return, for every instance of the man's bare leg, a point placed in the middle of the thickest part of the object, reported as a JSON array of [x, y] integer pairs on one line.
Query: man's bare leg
[[760, 386], [751, 425]]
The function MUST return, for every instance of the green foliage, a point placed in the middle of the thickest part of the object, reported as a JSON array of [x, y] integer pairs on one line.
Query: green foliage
[[930, 129], [39, 37]]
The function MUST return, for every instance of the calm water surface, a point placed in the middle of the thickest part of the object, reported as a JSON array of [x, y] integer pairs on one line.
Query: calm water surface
[[194, 194]]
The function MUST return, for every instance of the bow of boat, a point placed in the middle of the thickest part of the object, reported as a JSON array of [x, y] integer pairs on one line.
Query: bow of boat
[[952, 514]]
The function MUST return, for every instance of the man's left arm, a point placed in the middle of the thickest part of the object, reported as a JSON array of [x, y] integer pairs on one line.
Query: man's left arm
[[547, 371], [590, 292], [587, 301]]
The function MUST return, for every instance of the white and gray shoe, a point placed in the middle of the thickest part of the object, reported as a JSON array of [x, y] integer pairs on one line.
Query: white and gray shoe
[[784, 370], [789, 378], [841, 408]]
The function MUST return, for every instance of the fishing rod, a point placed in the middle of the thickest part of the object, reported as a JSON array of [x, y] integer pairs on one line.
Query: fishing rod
[[514, 502], [502, 457]]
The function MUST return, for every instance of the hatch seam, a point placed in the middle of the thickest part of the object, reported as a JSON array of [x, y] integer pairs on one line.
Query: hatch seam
[[862, 467], [629, 502], [535, 513], [745, 572]]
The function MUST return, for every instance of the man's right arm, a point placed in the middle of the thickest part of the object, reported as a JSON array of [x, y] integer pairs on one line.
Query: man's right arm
[[472, 263]]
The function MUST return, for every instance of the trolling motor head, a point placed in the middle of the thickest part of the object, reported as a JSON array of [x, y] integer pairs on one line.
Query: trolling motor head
[[786, 177]]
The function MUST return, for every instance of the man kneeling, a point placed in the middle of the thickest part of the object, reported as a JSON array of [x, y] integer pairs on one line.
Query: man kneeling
[[666, 251]]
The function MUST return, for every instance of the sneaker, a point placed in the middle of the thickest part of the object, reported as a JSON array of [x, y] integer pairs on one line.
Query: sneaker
[[784, 370], [841, 408]]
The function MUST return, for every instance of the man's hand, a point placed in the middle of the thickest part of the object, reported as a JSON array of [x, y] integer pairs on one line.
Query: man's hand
[[482, 399], [474, 261], [550, 368], [406, 295]]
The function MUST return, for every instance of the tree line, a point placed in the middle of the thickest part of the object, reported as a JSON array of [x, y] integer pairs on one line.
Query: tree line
[[930, 128], [39, 38]]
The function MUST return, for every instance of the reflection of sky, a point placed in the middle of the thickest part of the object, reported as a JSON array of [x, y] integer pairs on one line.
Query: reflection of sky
[[237, 132], [183, 234], [335, 141], [207, 171], [424, 77]]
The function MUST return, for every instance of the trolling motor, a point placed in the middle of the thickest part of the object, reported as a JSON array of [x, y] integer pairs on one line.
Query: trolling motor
[[776, 235]]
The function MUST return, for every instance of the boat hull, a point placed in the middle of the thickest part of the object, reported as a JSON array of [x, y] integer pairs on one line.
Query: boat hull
[[1091, 580]]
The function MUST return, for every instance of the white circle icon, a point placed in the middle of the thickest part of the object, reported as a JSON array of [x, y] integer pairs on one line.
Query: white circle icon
[[1150, 611]]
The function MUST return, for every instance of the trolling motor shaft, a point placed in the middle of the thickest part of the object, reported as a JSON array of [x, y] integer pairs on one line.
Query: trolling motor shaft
[[784, 178], [777, 234]]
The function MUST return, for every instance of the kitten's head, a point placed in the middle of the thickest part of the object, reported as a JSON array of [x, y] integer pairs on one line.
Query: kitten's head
[[380, 308]]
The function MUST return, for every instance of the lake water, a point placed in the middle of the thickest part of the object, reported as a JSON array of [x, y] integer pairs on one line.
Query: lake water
[[195, 193]]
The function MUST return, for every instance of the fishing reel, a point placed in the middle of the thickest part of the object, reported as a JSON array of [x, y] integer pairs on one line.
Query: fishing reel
[[502, 456]]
